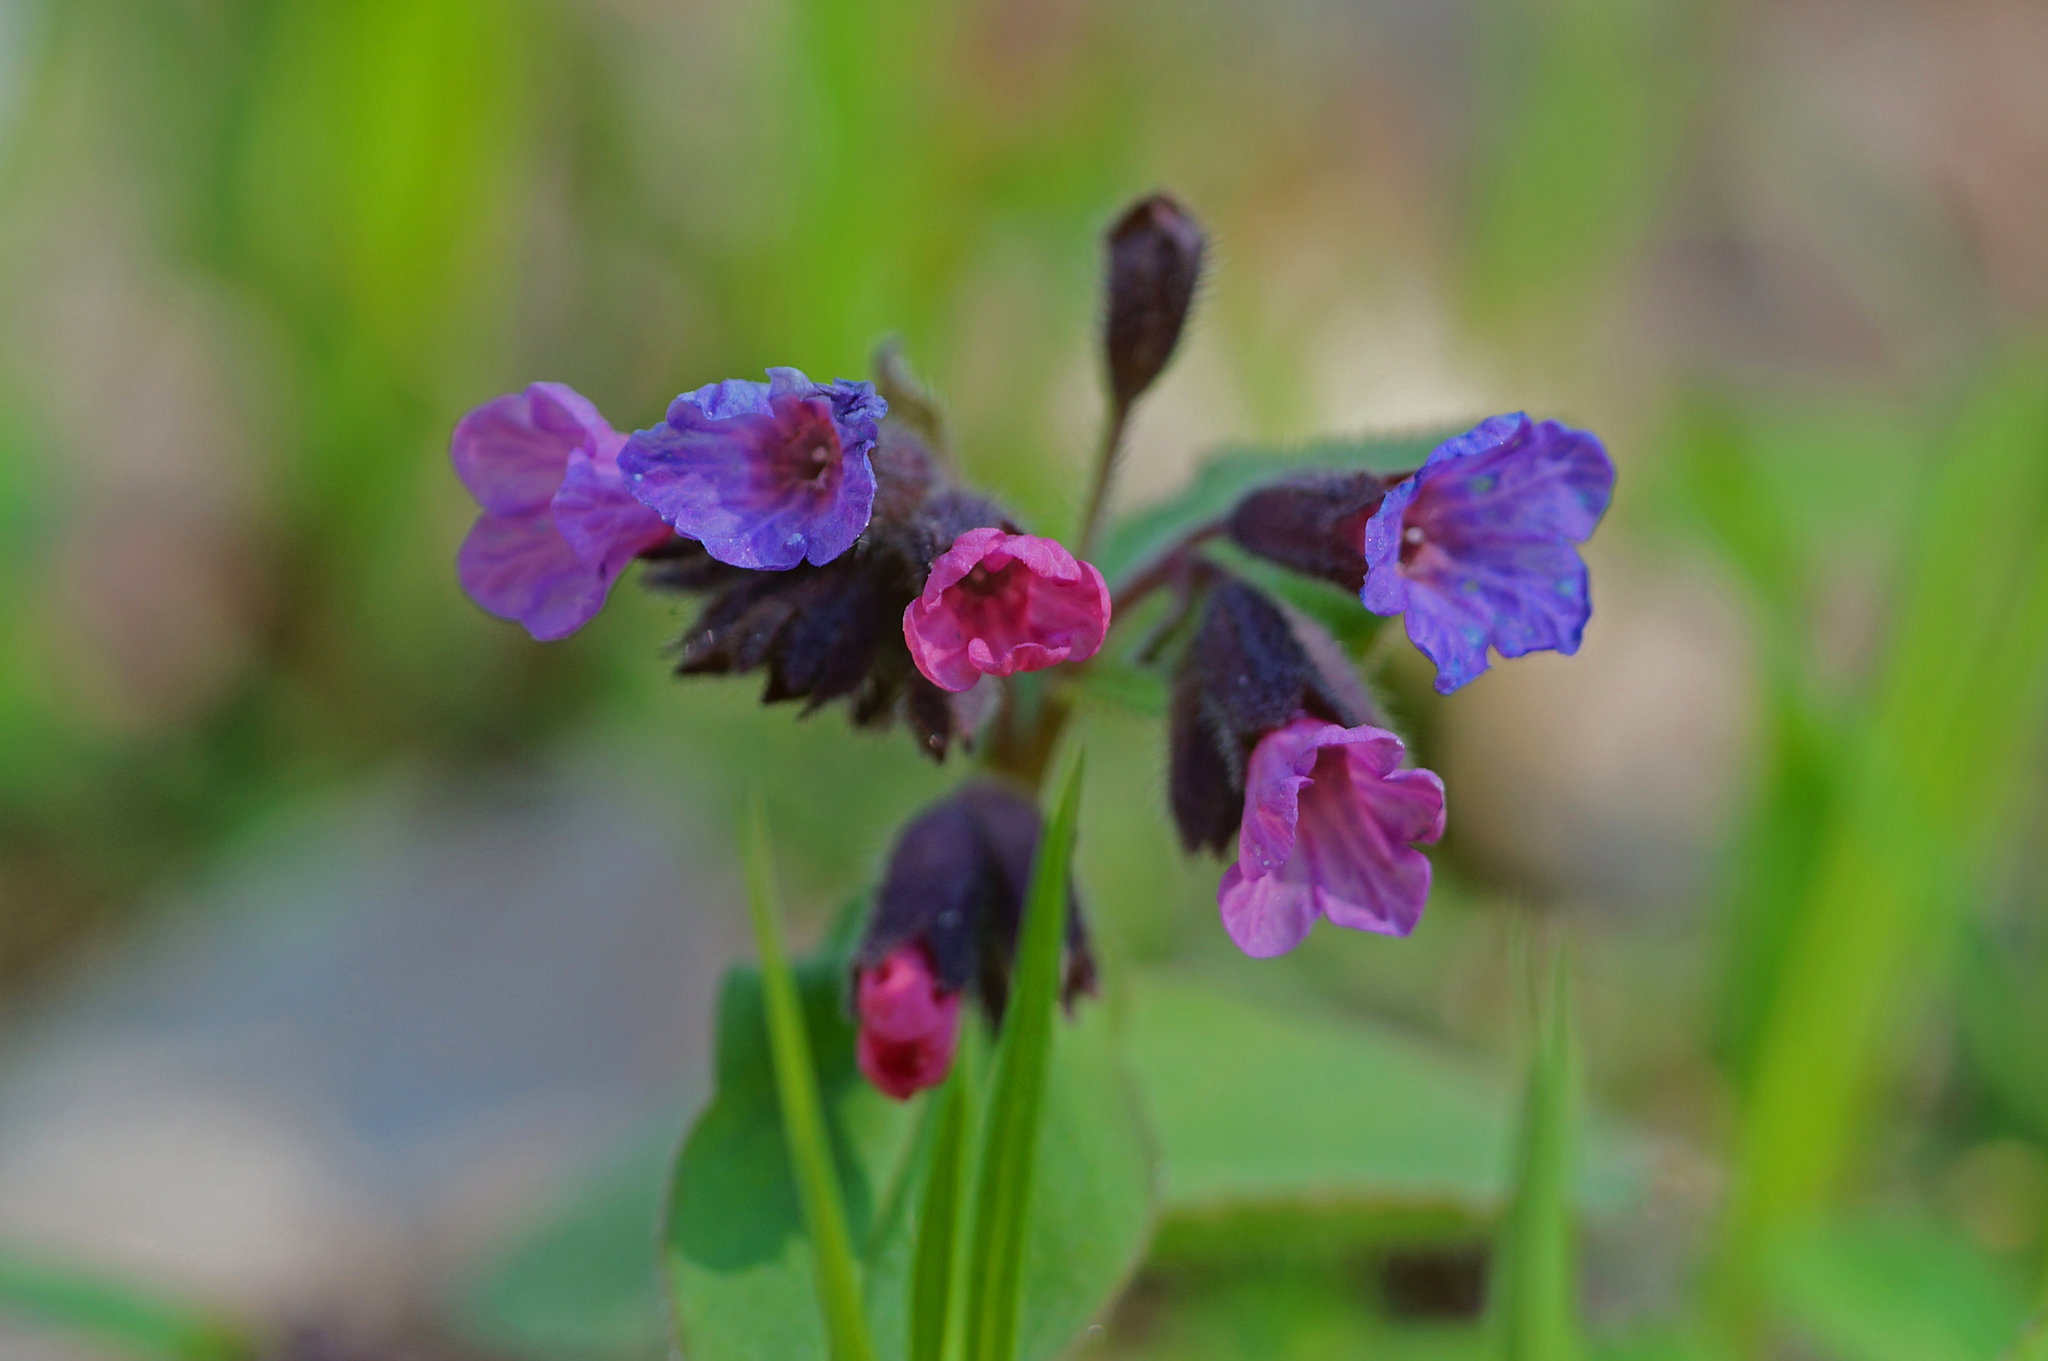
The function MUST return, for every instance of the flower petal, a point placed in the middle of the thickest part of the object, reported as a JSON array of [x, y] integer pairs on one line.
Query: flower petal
[[520, 568], [765, 475], [1355, 831], [601, 521], [511, 452], [1265, 916]]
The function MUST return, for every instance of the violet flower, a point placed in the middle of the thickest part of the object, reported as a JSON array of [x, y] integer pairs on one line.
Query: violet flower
[[1476, 549], [558, 525], [764, 475], [997, 603], [1329, 818], [909, 1023]]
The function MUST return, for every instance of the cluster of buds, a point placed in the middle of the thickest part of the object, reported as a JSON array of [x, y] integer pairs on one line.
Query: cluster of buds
[[835, 549]]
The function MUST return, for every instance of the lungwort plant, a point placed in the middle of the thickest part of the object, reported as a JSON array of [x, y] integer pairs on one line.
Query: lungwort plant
[[922, 1144]]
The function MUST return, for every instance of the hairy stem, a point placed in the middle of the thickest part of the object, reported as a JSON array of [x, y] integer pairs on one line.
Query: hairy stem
[[1106, 460]]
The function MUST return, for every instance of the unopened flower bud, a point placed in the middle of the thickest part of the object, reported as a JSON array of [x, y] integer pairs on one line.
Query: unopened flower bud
[[1252, 666], [909, 1023], [945, 924], [1155, 260], [1314, 525]]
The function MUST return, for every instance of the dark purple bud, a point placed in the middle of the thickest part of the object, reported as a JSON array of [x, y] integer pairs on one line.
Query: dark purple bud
[[1155, 260], [1314, 525], [955, 886], [1252, 666], [834, 631]]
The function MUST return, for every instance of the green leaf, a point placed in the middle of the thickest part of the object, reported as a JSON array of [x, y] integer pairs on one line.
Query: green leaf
[[1135, 539], [1878, 1291], [1017, 1095], [130, 1319], [1536, 1277], [1294, 1119]]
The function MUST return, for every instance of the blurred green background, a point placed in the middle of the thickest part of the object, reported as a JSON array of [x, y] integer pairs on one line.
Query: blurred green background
[[1790, 260]]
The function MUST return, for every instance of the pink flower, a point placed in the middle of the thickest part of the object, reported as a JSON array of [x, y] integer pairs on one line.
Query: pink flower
[[558, 525], [1328, 818], [909, 1024], [998, 603]]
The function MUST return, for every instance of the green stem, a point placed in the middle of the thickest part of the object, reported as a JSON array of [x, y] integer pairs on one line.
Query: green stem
[[1106, 460]]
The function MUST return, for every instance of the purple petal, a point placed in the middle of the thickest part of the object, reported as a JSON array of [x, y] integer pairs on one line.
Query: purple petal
[[1274, 778], [1476, 549], [511, 452], [1265, 916], [1511, 475], [520, 568], [600, 520], [717, 402], [1386, 590], [733, 468], [1355, 838]]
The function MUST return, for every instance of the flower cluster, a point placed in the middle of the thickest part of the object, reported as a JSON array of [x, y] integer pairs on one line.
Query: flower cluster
[[818, 530], [834, 549]]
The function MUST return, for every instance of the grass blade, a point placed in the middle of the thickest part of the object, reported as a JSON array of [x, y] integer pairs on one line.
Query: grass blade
[[931, 1279], [803, 1124], [135, 1321], [1954, 721], [1536, 1309], [1003, 1195]]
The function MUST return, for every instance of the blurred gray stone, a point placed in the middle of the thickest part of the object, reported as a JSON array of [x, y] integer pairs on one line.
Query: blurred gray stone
[[378, 1034]]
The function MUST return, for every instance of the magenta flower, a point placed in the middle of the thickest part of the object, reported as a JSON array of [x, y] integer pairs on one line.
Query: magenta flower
[[558, 525], [909, 1023], [1476, 550], [764, 475], [1329, 816], [997, 603]]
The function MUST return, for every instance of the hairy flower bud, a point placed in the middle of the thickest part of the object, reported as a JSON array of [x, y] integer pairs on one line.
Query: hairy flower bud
[[1252, 667], [955, 888], [1314, 525], [1155, 260]]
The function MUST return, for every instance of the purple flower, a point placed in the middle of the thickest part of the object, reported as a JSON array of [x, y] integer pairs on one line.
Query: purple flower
[[764, 475], [1328, 818], [558, 525], [1476, 549]]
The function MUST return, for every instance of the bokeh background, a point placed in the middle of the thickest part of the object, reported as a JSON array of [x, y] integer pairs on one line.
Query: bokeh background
[[346, 934]]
